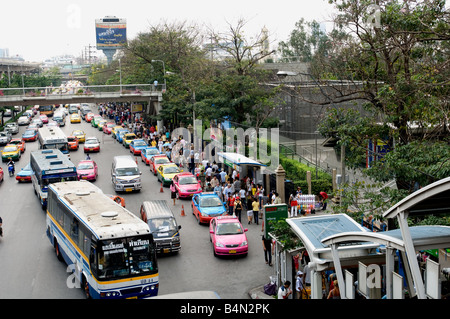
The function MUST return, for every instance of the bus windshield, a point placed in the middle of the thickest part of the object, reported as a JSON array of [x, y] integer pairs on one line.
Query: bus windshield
[[63, 147], [126, 257]]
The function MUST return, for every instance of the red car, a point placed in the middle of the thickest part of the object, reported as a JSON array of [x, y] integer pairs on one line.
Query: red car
[[156, 161], [20, 143], [89, 116], [74, 144], [186, 185], [43, 118], [107, 128], [1, 174]]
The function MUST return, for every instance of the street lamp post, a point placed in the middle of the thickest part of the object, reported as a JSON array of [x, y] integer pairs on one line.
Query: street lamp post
[[164, 70]]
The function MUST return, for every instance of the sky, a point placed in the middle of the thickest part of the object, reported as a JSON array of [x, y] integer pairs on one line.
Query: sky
[[40, 29]]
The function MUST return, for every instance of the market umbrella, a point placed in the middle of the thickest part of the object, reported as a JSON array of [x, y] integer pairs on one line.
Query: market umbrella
[[324, 195]]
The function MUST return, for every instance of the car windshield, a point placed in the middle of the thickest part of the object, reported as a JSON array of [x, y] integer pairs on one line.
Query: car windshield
[[229, 229], [162, 224], [210, 202], [85, 166], [162, 161], [188, 180], [139, 143], [29, 132], [130, 137], [125, 257], [127, 171], [171, 170], [91, 141], [10, 149], [152, 152]]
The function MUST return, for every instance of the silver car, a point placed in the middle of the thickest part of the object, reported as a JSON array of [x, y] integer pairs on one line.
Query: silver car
[[5, 138], [12, 127], [23, 120]]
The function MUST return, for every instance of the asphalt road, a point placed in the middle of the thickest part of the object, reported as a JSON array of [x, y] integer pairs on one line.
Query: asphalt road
[[30, 269]]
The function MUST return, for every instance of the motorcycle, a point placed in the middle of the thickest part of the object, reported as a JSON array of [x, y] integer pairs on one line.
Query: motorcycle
[[11, 170]]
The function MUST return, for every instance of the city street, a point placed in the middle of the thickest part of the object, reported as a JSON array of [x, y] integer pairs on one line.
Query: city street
[[32, 270]]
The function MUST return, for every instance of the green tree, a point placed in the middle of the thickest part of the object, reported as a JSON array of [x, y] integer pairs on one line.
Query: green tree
[[397, 65]]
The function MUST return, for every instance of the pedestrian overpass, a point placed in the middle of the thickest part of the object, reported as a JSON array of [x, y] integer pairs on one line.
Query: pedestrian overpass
[[141, 93]]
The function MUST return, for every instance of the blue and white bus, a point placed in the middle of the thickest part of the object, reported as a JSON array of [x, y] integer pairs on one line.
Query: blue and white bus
[[50, 166], [52, 137], [109, 249]]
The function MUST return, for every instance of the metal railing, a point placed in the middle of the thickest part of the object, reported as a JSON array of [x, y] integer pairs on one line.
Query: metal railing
[[82, 90]]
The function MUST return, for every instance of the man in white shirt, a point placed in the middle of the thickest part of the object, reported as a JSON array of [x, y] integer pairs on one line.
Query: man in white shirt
[[285, 291]]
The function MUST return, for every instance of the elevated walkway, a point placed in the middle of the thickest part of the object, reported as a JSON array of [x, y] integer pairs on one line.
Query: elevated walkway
[[81, 94]]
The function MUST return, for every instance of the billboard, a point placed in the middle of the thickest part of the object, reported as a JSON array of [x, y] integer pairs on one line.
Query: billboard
[[110, 33]]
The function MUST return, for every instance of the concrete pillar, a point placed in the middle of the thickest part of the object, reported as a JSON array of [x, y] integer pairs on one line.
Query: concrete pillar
[[280, 176]]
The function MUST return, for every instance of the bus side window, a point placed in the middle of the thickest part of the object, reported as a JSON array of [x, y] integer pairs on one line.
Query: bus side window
[[93, 259]]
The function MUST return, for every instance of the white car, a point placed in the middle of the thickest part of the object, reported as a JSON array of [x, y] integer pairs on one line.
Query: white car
[[5, 137], [23, 120], [91, 145], [12, 127]]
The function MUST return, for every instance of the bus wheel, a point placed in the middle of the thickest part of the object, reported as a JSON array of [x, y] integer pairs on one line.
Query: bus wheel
[[58, 252], [85, 286]]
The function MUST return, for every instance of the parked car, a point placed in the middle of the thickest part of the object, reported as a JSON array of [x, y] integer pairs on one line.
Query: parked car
[[156, 161], [5, 137], [186, 185], [127, 138], [107, 128], [137, 145], [87, 170], [12, 127], [147, 153], [166, 172], [206, 206], [228, 236]]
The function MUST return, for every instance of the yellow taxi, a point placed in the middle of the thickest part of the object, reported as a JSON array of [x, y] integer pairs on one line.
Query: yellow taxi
[[75, 118], [127, 138], [11, 151], [166, 172], [80, 135]]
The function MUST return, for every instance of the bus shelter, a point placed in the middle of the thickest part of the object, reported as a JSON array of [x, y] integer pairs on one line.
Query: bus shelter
[[434, 199], [312, 230], [244, 165]]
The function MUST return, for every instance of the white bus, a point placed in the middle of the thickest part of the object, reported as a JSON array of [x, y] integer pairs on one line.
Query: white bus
[[53, 138], [50, 166], [111, 250]]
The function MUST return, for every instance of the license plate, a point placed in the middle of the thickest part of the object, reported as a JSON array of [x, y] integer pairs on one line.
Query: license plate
[[166, 250], [232, 251], [128, 189], [135, 297], [83, 177], [22, 179]]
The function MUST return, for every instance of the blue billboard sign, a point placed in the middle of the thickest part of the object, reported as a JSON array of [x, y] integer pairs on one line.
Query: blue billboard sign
[[110, 35]]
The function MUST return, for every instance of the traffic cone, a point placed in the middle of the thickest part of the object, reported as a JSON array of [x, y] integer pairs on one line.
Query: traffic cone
[[161, 190], [182, 211]]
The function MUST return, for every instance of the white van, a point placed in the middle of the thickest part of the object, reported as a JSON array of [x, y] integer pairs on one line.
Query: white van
[[125, 174]]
